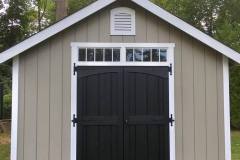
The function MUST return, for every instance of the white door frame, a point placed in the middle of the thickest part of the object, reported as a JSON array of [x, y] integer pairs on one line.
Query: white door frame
[[123, 46]]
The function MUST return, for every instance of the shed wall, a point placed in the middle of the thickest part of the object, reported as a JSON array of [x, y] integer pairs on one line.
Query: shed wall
[[45, 83]]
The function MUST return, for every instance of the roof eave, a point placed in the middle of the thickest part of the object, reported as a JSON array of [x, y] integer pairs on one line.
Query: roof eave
[[190, 30], [54, 29]]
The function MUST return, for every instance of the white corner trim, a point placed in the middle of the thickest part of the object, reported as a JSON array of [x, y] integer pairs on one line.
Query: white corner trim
[[14, 125], [54, 29], [119, 27], [123, 46], [189, 29], [172, 106], [226, 109], [73, 146]]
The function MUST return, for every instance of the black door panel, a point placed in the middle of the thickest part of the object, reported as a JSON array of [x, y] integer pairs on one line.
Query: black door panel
[[122, 113], [100, 110]]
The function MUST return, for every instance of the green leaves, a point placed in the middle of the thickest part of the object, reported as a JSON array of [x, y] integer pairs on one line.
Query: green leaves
[[75, 5]]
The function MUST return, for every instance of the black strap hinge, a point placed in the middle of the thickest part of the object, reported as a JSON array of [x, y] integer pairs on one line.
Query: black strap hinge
[[170, 69], [75, 68], [74, 120], [171, 120]]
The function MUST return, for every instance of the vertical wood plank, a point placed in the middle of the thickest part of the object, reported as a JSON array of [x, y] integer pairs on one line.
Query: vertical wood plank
[[104, 26], [81, 31], [21, 108], [128, 39], [152, 28], [187, 91], [30, 138], [221, 129], [211, 105], [43, 102], [116, 39], [93, 28], [68, 37], [56, 98], [199, 101], [163, 31], [176, 37], [141, 26]]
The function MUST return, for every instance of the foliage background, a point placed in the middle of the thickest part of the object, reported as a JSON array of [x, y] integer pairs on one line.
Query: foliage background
[[220, 19]]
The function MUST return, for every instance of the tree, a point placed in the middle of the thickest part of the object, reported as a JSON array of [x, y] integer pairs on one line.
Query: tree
[[44, 13], [75, 5], [14, 23], [228, 31], [200, 13], [61, 9]]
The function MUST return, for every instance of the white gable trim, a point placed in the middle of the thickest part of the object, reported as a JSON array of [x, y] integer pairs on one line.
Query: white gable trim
[[54, 29], [99, 4], [187, 28]]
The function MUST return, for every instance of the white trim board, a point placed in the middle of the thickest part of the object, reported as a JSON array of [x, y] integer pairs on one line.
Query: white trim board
[[170, 60], [227, 130], [14, 122], [99, 4]]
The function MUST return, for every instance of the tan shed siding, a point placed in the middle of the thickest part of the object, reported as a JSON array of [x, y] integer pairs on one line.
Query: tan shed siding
[[21, 109], [199, 102], [30, 118], [187, 98], [43, 107], [45, 76], [66, 112], [56, 91]]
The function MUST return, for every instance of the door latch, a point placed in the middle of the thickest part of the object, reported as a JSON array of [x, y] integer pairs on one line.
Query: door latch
[[74, 120], [126, 122], [171, 120]]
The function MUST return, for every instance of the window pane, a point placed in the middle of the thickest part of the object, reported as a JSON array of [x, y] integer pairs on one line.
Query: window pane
[[155, 55], [99, 54], [137, 54], [90, 54], [129, 55], [163, 55], [116, 55], [108, 54], [146, 55], [82, 54]]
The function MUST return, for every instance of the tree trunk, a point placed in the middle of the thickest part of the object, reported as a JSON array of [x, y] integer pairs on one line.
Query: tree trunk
[[61, 9]]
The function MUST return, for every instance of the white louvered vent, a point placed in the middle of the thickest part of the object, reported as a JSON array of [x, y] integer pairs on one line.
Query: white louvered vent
[[122, 21]]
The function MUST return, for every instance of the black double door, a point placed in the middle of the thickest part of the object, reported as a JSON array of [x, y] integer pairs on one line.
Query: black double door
[[122, 113]]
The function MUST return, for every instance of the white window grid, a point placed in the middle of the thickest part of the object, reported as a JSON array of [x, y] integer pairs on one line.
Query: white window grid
[[169, 47]]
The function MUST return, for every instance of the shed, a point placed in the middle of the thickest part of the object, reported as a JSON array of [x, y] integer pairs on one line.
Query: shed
[[120, 80]]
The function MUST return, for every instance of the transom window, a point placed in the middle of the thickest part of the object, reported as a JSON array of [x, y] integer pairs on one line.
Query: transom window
[[122, 54], [114, 55], [99, 54], [146, 55]]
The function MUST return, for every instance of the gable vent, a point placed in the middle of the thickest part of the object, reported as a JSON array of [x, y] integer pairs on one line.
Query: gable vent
[[122, 21]]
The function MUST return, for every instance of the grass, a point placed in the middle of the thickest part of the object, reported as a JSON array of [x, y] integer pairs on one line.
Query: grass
[[235, 145], [4, 151], [5, 146]]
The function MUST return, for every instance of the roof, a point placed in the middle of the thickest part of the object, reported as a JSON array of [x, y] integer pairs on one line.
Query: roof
[[100, 4]]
